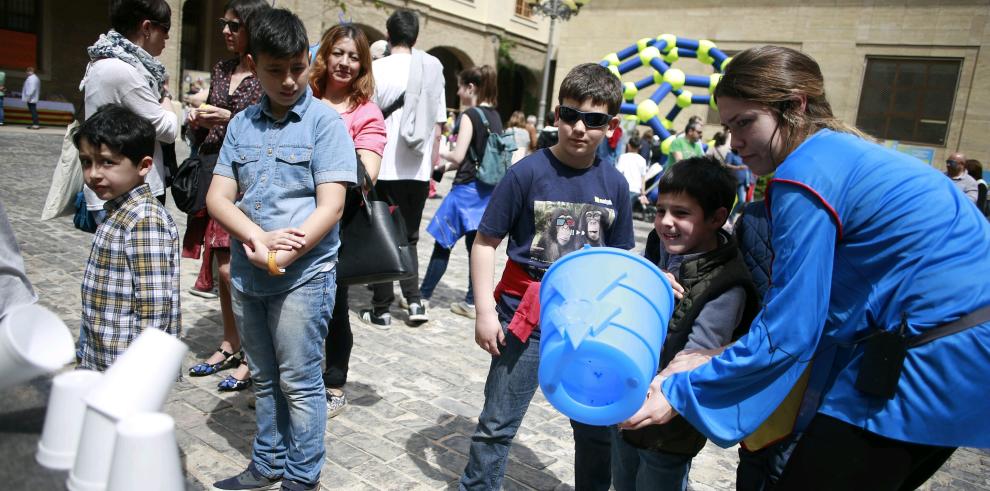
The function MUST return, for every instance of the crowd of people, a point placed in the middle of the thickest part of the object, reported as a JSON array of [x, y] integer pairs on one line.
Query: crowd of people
[[824, 327]]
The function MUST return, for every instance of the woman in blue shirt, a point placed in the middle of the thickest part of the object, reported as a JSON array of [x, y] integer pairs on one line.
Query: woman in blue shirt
[[857, 253]]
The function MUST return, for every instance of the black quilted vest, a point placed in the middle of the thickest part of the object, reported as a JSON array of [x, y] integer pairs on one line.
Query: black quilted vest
[[703, 278]]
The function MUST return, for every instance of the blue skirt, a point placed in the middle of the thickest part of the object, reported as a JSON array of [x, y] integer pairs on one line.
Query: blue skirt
[[459, 213]]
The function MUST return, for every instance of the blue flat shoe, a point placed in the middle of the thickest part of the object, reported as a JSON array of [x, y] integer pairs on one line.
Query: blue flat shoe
[[204, 369], [232, 384]]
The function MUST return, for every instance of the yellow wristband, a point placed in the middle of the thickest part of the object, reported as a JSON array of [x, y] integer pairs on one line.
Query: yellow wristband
[[273, 268]]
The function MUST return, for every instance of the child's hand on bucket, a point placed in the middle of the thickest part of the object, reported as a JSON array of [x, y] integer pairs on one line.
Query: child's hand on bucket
[[677, 287], [488, 332], [655, 411]]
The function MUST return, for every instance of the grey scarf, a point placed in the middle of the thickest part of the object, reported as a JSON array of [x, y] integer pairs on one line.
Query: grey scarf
[[114, 45]]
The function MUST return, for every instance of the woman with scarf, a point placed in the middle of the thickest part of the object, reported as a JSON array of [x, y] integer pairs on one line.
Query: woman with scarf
[[233, 87], [123, 69]]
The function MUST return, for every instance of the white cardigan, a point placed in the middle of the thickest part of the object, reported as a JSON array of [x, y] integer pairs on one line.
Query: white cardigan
[[112, 80]]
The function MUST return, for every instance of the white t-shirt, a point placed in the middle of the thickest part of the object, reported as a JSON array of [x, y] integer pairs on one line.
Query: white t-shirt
[[398, 162], [633, 167], [112, 80]]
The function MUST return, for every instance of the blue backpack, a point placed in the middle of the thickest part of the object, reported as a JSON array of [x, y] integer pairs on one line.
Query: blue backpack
[[497, 156]]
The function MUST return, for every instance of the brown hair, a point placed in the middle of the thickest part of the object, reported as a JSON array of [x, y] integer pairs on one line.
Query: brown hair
[[775, 76], [517, 120], [483, 77], [363, 85], [591, 81]]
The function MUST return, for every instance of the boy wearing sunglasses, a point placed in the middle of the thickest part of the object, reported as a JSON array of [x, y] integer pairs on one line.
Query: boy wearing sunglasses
[[535, 205]]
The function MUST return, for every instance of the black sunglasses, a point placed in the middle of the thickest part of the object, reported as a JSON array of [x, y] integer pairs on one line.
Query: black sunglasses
[[570, 115], [233, 25]]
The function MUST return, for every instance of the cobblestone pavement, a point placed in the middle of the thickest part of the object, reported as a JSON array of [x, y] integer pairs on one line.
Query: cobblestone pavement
[[414, 393]]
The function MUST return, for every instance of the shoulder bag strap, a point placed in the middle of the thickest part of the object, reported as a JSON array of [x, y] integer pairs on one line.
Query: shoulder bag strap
[[488, 131], [972, 319], [394, 106]]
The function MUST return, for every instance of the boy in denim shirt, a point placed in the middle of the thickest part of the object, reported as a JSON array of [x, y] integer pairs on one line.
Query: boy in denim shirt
[[279, 191]]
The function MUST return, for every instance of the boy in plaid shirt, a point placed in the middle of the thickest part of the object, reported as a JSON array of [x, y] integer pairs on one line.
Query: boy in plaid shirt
[[131, 281]]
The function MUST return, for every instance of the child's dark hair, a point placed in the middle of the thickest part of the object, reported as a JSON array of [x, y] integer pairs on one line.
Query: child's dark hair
[[704, 179], [634, 142], [126, 16], [402, 28], [277, 33], [592, 81], [121, 130]]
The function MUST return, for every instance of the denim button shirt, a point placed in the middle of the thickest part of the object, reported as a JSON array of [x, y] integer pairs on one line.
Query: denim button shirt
[[277, 165]]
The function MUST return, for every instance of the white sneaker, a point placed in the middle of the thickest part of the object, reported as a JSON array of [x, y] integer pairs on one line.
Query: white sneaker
[[463, 308]]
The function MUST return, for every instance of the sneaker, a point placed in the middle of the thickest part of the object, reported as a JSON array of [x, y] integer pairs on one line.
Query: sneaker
[[383, 321], [291, 485], [417, 313], [463, 308], [202, 294], [335, 403], [250, 479]]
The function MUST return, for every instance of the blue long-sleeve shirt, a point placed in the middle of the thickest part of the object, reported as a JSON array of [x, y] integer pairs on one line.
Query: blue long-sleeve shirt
[[860, 235]]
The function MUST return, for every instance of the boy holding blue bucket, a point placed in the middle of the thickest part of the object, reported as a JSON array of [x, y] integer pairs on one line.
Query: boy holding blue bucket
[[716, 302], [548, 204]]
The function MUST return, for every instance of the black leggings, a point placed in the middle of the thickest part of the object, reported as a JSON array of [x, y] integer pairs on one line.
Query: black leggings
[[339, 342], [833, 454]]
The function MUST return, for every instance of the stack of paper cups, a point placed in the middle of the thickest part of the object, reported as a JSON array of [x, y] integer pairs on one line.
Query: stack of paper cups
[[139, 381], [145, 455], [64, 418], [33, 341]]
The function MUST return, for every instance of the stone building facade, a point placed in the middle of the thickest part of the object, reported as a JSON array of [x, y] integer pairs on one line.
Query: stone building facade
[[855, 42], [461, 33]]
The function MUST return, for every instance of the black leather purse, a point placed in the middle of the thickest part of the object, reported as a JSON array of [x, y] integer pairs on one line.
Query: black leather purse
[[373, 244], [191, 182]]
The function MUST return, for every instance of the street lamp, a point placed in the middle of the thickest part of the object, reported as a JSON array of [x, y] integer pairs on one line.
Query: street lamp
[[554, 9]]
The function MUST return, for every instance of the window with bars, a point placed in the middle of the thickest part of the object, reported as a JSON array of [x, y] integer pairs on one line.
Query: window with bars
[[524, 9], [20, 29], [908, 99], [19, 15]]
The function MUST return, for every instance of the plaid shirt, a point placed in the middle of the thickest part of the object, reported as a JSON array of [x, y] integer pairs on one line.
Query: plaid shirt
[[131, 280]]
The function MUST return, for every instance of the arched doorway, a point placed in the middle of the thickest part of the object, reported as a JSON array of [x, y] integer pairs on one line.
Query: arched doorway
[[453, 61], [515, 89], [372, 33]]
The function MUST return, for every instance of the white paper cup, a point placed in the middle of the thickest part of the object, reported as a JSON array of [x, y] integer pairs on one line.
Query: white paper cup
[[146, 456], [138, 381], [94, 454], [141, 378], [64, 418], [33, 341]]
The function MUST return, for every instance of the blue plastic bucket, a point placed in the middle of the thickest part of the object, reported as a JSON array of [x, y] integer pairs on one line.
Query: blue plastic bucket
[[603, 318]]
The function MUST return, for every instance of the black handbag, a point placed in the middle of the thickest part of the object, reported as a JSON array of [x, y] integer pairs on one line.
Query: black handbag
[[192, 181], [373, 243]]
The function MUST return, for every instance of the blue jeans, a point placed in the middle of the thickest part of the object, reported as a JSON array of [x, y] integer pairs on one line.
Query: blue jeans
[[33, 107], [635, 468], [512, 381], [438, 266], [1, 108], [592, 457], [282, 336]]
